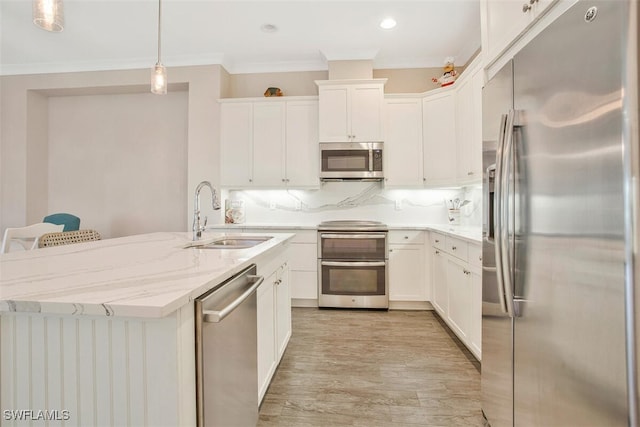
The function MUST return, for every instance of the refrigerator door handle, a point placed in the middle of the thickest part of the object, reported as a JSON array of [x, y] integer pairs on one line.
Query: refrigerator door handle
[[497, 216], [506, 248]]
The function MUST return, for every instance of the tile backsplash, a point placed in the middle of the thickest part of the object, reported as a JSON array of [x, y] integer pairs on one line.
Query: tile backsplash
[[357, 200]]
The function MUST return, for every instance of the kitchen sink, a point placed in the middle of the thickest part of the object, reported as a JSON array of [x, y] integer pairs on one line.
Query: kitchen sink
[[230, 242]]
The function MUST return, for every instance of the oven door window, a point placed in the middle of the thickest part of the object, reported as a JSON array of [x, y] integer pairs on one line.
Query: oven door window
[[345, 160], [355, 279], [345, 246]]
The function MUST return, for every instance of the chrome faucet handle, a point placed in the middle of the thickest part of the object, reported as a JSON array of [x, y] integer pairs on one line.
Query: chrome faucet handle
[[205, 223]]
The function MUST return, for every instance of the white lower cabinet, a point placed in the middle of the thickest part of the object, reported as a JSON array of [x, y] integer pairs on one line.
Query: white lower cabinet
[[457, 288], [459, 297], [407, 266], [283, 310], [274, 324], [266, 334], [440, 295]]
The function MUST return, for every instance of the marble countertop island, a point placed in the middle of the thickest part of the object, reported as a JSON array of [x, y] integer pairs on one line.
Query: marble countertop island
[[147, 275]]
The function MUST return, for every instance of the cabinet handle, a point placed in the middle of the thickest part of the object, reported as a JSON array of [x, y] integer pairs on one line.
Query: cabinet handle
[[390, 250], [453, 248], [469, 173], [437, 241], [284, 180], [437, 252], [406, 237], [250, 180], [526, 8]]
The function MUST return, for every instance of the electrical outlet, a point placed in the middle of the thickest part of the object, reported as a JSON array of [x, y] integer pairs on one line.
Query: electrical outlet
[[298, 205], [399, 204], [272, 204]]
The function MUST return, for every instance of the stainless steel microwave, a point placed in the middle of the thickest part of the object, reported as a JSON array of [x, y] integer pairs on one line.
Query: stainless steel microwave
[[351, 161]]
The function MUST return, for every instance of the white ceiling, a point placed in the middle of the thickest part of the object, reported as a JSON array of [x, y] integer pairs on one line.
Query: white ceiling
[[122, 34]]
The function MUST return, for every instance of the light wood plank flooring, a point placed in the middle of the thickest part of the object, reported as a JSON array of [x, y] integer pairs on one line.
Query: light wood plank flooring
[[373, 368]]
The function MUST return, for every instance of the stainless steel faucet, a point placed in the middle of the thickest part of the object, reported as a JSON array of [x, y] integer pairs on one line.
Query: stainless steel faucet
[[197, 229]]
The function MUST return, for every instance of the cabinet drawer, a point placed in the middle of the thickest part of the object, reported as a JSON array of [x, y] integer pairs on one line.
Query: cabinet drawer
[[475, 254], [406, 237], [457, 248], [438, 240], [303, 257]]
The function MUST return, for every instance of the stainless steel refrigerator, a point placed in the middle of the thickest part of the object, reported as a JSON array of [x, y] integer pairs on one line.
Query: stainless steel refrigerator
[[560, 135]]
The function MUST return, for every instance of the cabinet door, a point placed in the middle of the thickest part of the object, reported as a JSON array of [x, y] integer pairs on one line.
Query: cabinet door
[[236, 134], [440, 293], [366, 112], [469, 129], [403, 142], [459, 298], [333, 114], [266, 333], [302, 150], [283, 310], [406, 273], [503, 21], [439, 139], [475, 327], [268, 143]]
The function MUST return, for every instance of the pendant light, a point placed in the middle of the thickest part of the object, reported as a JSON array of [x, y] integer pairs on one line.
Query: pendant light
[[159, 72], [48, 15]]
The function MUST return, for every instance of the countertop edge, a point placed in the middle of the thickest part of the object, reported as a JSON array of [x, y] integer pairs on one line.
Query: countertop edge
[[468, 233]]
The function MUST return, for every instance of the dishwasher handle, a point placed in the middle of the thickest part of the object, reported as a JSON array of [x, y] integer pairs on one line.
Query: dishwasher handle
[[211, 316]]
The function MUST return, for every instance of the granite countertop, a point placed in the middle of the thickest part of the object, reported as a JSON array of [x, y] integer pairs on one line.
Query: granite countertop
[[469, 233], [147, 275]]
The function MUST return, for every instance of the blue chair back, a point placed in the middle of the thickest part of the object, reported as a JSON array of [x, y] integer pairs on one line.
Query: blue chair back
[[70, 222]]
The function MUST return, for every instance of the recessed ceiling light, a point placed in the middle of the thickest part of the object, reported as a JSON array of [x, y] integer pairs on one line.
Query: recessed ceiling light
[[269, 28], [388, 23]]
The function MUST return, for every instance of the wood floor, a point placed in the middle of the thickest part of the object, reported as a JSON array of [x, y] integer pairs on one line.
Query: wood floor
[[373, 368]]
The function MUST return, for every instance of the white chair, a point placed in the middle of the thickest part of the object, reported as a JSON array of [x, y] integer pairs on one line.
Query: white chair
[[27, 236]]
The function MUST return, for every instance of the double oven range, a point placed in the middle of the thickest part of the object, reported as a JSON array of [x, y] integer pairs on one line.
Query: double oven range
[[353, 264]]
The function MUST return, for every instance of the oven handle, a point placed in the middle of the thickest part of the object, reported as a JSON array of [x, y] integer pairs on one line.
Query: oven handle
[[354, 236], [354, 264]]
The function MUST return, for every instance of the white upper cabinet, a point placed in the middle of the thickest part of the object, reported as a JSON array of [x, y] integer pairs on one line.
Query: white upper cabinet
[[403, 142], [503, 21], [269, 143], [351, 112], [302, 151], [236, 136], [439, 138], [469, 125]]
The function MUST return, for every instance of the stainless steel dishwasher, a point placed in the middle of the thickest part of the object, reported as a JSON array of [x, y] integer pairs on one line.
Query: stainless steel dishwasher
[[226, 352]]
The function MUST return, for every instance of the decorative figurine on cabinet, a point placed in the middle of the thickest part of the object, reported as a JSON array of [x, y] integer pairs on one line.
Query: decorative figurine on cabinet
[[273, 91], [449, 75]]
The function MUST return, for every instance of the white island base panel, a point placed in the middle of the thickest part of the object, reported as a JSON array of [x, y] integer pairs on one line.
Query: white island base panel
[[97, 370]]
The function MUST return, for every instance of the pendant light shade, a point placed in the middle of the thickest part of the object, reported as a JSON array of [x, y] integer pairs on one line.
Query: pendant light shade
[[159, 80], [48, 15], [159, 72]]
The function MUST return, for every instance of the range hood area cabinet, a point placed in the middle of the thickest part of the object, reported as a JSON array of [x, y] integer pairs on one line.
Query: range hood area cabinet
[[351, 110], [269, 143]]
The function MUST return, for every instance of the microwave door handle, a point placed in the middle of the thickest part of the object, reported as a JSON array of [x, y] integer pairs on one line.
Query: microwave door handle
[[370, 160]]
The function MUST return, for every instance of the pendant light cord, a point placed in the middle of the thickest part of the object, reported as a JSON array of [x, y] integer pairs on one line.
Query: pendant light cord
[[159, 21]]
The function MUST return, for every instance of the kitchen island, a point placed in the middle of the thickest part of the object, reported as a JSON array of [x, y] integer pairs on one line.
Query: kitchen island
[[102, 333]]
